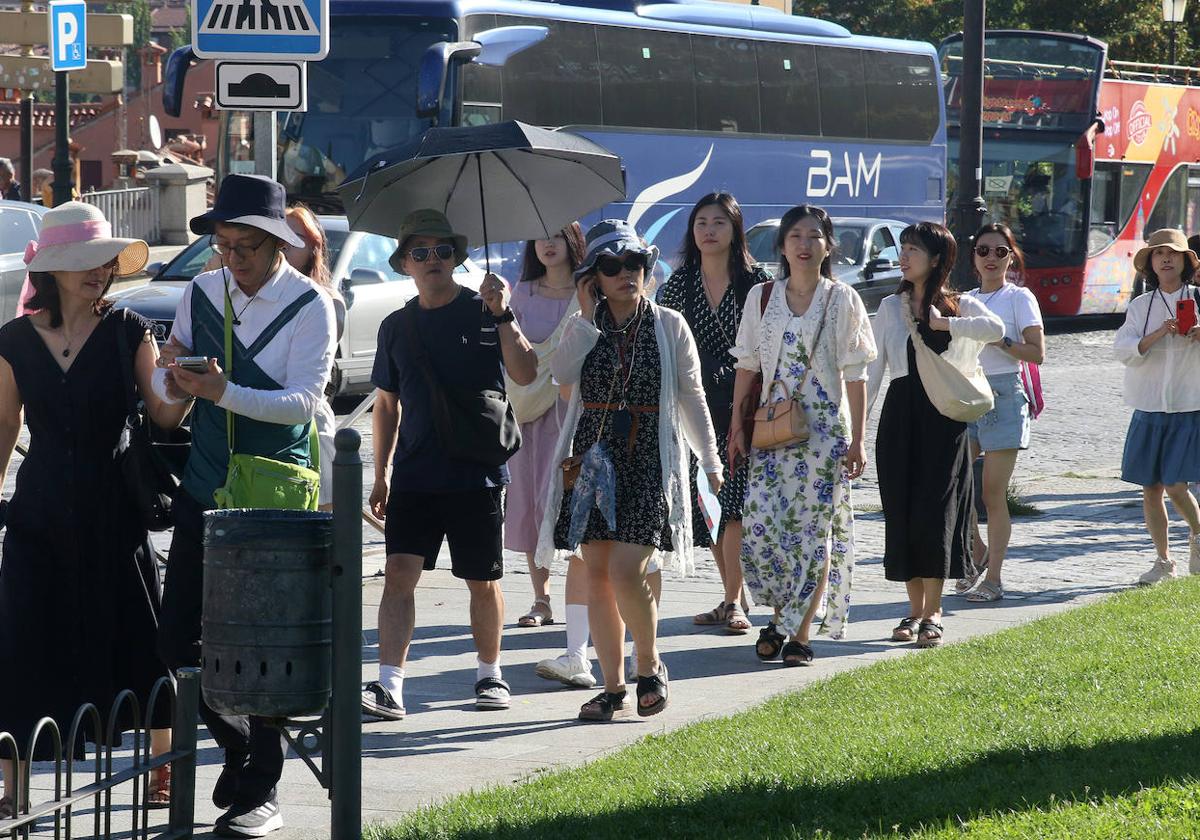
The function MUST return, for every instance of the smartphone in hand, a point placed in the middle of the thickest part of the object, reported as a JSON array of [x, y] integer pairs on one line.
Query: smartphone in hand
[[1185, 314], [193, 364]]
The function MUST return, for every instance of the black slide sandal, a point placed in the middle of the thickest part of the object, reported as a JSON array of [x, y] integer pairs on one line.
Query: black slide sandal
[[656, 684]]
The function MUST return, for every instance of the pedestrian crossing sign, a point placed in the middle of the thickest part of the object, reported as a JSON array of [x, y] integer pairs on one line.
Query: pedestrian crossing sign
[[250, 29]]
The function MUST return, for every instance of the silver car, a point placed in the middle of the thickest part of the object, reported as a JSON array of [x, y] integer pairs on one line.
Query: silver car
[[358, 265], [20, 223], [867, 254]]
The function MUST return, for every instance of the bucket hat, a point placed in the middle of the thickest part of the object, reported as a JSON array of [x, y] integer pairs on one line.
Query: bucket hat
[[254, 200], [1166, 238], [76, 237], [427, 222], [616, 237]]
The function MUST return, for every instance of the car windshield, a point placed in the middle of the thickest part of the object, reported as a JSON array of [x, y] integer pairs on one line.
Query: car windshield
[[849, 244], [192, 259], [761, 240]]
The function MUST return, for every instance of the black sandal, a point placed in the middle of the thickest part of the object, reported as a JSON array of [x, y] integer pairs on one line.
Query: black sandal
[[773, 639], [910, 625], [656, 684], [797, 653], [930, 634], [605, 703]]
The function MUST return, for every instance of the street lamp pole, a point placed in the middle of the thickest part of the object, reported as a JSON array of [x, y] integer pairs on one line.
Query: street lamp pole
[[970, 208], [1172, 11]]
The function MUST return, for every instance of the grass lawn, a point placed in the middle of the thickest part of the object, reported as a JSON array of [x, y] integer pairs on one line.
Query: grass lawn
[[1083, 725]]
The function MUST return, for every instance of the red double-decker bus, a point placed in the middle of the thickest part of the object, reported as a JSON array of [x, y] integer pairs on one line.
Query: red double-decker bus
[[1082, 157]]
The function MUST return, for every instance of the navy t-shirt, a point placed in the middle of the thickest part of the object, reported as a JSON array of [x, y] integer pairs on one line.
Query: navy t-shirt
[[450, 335]]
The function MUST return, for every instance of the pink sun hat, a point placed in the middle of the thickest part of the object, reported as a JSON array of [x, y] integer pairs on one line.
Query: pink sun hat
[[75, 236]]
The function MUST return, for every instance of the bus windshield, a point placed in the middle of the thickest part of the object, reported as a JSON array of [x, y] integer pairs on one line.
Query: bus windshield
[[1031, 186], [361, 101]]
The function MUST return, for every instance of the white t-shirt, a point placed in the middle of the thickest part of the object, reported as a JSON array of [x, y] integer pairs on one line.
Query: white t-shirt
[[1018, 309]]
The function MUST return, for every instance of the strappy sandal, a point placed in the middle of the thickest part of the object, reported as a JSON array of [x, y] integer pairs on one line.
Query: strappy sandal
[[602, 706], [159, 795], [964, 584], [539, 614], [797, 653], [907, 629], [8, 808], [736, 623], [717, 615], [929, 634], [770, 643], [656, 684], [986, 592]]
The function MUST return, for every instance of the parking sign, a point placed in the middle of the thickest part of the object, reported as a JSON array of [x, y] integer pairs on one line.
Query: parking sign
[[261, 29], [68, 35]]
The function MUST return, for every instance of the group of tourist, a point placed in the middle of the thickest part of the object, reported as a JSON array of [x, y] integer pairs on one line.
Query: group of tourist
[[728, 411]]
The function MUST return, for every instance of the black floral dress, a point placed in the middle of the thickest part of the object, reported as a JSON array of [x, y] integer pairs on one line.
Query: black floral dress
[[715, 334], [641, 505]]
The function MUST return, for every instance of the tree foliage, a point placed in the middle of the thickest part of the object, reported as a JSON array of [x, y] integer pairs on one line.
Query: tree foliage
[[1133, 29]]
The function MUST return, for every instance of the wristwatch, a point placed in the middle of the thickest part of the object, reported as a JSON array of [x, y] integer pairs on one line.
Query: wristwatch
[[506, 317], [1008, 342]]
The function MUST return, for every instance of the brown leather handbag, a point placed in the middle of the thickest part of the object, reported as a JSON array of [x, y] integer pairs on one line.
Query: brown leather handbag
[[783, 422]]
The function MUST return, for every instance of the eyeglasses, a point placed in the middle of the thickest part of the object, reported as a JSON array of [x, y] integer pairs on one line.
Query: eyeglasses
[[442, 252], [243, 252], [1002, 251], [611, 266]]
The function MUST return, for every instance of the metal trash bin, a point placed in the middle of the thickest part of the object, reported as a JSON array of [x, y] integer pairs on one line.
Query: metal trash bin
[[267, 623]]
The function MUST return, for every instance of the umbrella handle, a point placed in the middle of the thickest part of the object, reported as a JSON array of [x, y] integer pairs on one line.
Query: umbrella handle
[[487, 255]]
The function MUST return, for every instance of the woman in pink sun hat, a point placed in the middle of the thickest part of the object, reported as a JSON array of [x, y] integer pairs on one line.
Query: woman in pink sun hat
[[78, 582]]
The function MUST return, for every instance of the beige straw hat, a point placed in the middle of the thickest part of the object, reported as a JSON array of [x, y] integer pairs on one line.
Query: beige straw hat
[[1172, 238], [76, 237]]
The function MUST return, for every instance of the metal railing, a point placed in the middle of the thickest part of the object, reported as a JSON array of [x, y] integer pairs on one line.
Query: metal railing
[[182, 758], [133, 213]]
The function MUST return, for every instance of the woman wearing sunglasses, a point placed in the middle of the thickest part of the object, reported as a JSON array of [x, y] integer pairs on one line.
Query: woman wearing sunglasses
[[710, 289], [636, 409], [810, 336], [1004, 431]]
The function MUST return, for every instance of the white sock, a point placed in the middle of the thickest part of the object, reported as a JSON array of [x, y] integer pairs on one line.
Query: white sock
[[483, 670], [577, 631], [391, 677]]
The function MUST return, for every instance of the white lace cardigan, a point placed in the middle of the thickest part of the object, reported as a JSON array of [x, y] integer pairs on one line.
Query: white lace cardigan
[[683, 424], [847, 343]]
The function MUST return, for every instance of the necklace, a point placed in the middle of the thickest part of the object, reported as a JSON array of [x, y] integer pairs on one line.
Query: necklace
[[991, 294], [611, 319]]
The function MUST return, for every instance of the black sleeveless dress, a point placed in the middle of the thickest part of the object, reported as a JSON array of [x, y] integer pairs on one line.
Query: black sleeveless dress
[[79, 590]]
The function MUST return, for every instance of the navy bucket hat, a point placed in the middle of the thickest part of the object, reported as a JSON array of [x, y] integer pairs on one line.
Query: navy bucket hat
[[254, 200], [616, 237]]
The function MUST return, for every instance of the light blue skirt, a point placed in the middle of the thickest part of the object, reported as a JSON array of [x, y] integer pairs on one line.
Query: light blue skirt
[[1006, 426], [1162, 448]]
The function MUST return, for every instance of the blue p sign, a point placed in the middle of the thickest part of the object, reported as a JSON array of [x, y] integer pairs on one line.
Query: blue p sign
[[68, 35]]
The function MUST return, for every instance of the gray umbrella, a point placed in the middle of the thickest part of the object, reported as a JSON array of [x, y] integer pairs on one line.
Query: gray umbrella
[[497, 183]]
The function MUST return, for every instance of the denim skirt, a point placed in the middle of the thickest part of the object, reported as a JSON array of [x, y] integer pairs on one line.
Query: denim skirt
[[1006, 426], [1162, 448]]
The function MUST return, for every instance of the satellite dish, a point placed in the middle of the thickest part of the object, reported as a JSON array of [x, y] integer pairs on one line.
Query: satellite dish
[[155, 132]]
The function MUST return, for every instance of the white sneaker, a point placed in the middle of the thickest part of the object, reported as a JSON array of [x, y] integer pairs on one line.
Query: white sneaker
[[1194, 559], [568, 670], [1163, 569]]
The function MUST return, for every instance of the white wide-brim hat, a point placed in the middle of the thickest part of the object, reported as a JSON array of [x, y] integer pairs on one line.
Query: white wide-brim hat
[[76, 237]]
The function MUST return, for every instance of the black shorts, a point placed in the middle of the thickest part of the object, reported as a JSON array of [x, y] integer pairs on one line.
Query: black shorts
[[472, 521]]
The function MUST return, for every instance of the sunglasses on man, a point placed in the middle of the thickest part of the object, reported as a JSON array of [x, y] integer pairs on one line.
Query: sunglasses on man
[[442, 252], [611, 266]]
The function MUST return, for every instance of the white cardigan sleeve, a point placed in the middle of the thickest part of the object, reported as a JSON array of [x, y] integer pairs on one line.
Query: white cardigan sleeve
[[1130, 335], [745, 349], [881, 327], [979, 324], [693, 408], [579, 337]]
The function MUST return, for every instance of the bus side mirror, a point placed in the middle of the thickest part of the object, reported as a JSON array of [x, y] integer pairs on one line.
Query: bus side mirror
[[502, 43], [178, 64], [433, 69]]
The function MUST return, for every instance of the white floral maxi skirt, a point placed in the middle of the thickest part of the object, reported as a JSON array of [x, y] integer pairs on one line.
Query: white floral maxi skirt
[[798, 512]]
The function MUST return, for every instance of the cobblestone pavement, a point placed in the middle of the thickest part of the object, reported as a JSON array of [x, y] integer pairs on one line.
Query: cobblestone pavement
[[1087, 541]]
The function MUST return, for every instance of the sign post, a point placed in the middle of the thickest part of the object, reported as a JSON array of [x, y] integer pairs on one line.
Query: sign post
[[68, 51]]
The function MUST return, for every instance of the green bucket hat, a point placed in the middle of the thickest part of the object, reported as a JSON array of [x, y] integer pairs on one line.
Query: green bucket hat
[[427, 222]]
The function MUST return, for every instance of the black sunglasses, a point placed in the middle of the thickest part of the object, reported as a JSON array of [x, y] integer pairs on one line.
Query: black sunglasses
[[1002, 251], [442, 252], [611, 266]]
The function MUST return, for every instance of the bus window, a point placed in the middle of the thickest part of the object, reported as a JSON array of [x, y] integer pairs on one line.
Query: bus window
[[1169, 210], [648, 80], [1106, 193], [843, 92], [726, 85], [1191, 222], [788, 89], [902, 96], [555, 82]]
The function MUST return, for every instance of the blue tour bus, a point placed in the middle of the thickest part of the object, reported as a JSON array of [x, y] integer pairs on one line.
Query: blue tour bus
[[694, 97]]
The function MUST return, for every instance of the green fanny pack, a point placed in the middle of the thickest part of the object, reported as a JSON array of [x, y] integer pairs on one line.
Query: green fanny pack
[[255, 481]]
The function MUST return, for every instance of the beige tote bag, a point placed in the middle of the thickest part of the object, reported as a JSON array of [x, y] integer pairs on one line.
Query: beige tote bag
[[954, 394]]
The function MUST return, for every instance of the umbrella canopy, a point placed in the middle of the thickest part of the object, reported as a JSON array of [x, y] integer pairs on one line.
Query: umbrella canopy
[[497, 183]]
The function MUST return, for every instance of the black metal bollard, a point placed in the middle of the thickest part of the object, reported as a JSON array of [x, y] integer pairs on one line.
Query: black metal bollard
[[345, 713], [183, 740]]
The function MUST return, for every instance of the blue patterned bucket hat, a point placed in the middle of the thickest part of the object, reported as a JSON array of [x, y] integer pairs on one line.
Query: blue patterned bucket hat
[[616, 237]]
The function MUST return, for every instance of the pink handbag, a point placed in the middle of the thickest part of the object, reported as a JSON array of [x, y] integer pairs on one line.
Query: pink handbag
[[1031, 382]]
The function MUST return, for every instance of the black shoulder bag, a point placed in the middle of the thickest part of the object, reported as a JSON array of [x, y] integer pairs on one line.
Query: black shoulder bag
[[146, 473], [471, 425]]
